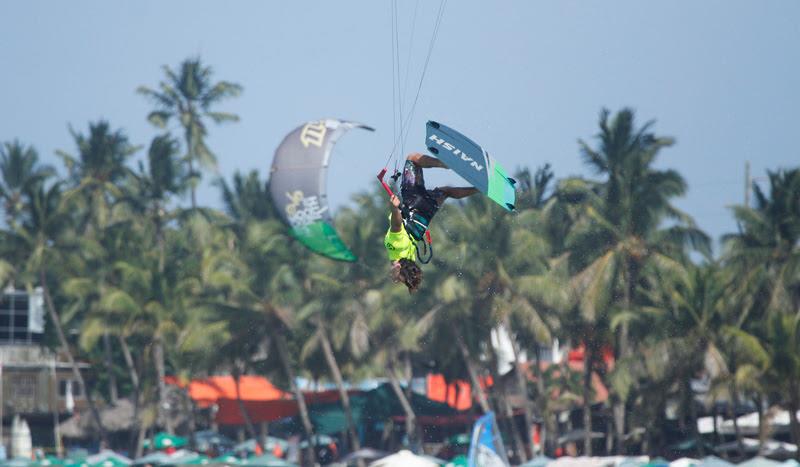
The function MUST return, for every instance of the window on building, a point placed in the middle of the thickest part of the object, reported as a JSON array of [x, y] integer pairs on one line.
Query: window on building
[[23, 387], [62, 388], [20, 323]]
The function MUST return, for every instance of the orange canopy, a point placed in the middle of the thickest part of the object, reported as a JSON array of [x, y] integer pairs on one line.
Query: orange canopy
[[457, 394], [208, 391]]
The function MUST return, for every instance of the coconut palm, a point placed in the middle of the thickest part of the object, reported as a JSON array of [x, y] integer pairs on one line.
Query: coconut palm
[[44, 245], [622, 230], [20, 172], [189, 96], [96, 173], [764, 254]]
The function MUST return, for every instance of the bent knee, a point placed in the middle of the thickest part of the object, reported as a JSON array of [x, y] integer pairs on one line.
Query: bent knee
[[414, 157]]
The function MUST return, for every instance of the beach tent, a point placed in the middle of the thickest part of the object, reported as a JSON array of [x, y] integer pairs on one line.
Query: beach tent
[[404, 458], [106, 458], [714, 461], [366, 454], [760, 462], [538, 461], [685, 462]]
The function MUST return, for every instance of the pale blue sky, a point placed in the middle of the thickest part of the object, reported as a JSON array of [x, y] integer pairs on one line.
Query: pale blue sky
[[526, 79]]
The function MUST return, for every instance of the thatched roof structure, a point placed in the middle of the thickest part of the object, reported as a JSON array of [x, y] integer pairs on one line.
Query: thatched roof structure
[[117, 417]]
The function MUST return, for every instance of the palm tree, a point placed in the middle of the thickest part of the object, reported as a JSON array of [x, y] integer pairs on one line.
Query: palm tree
[[21, 172], [189, 96], [44, 243], [622, 229], [96, 173], [765, 253], [763, 260]]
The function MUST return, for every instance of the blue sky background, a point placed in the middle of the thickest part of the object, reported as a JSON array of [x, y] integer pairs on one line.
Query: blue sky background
[[525, 79]]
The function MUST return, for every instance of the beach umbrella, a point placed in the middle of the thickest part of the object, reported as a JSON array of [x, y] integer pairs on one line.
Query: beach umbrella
[[404, 458], [657, 462], [165, 440], [684, 462], [790, 463], [367, 454], [47, 461], [184, 457], [226, 459], [538, 461], [267, 460], [714, 461], [634, 461], [109, 462], [154, 458], [760, 462], [459, 461]]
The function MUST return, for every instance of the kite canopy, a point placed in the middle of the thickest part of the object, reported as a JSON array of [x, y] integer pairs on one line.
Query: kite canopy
[[298, 185]]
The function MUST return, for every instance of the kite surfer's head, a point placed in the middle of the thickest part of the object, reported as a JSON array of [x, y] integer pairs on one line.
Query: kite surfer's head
[[408, 272]]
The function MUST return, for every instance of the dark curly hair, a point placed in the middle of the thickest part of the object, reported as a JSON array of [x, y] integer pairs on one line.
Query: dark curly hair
[[409, 273]]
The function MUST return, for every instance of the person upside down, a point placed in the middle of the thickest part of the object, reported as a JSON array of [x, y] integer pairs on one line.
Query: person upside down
[[411, 215]]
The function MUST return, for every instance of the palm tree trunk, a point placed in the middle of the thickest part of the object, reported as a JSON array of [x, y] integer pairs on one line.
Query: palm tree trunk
[[248, 423], [411, 418], [190, 156], [624, 352], [330, 358], [505, 408], [76, 373], [693, 419], [473, 374], [107, 360], [283, 355], [134, 376], [588, 360], [735, 405], [794, 406], [522, 387], [158, 357]]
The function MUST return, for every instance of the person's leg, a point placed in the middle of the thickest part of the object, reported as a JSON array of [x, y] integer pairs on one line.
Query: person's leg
[[426, 162], [456, 192]]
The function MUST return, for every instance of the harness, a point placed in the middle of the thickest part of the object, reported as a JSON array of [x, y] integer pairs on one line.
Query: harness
[[415, 222], [416, 226]]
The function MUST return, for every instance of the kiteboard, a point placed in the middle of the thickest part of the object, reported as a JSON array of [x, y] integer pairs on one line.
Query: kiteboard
[[473, 163]]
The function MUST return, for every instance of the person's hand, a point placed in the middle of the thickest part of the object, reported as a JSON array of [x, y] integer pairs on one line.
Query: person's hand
[[395, 201]]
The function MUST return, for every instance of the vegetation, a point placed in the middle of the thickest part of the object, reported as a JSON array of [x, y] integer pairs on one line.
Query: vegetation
[[141, 286]]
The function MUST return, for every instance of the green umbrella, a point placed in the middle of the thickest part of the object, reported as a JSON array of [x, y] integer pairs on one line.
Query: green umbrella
[[154, 458], [226, 459], [47, 461], [165, 440], [186, 458], [458, 461], [109, 461], [462, 438]]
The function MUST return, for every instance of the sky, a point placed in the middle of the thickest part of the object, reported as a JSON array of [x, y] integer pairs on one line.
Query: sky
[[526, 79]]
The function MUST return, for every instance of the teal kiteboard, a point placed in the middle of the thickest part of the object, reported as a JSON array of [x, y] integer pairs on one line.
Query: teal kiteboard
[[473, 163]]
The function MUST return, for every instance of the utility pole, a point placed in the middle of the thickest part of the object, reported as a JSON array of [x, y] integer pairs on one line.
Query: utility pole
[[747, 184]]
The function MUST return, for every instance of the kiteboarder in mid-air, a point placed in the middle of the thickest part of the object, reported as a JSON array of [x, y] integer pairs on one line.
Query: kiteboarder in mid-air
[[411, 215]]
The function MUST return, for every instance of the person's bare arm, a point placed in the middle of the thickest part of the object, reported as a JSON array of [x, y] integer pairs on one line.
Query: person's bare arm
[[426, 162], [397, 218]]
